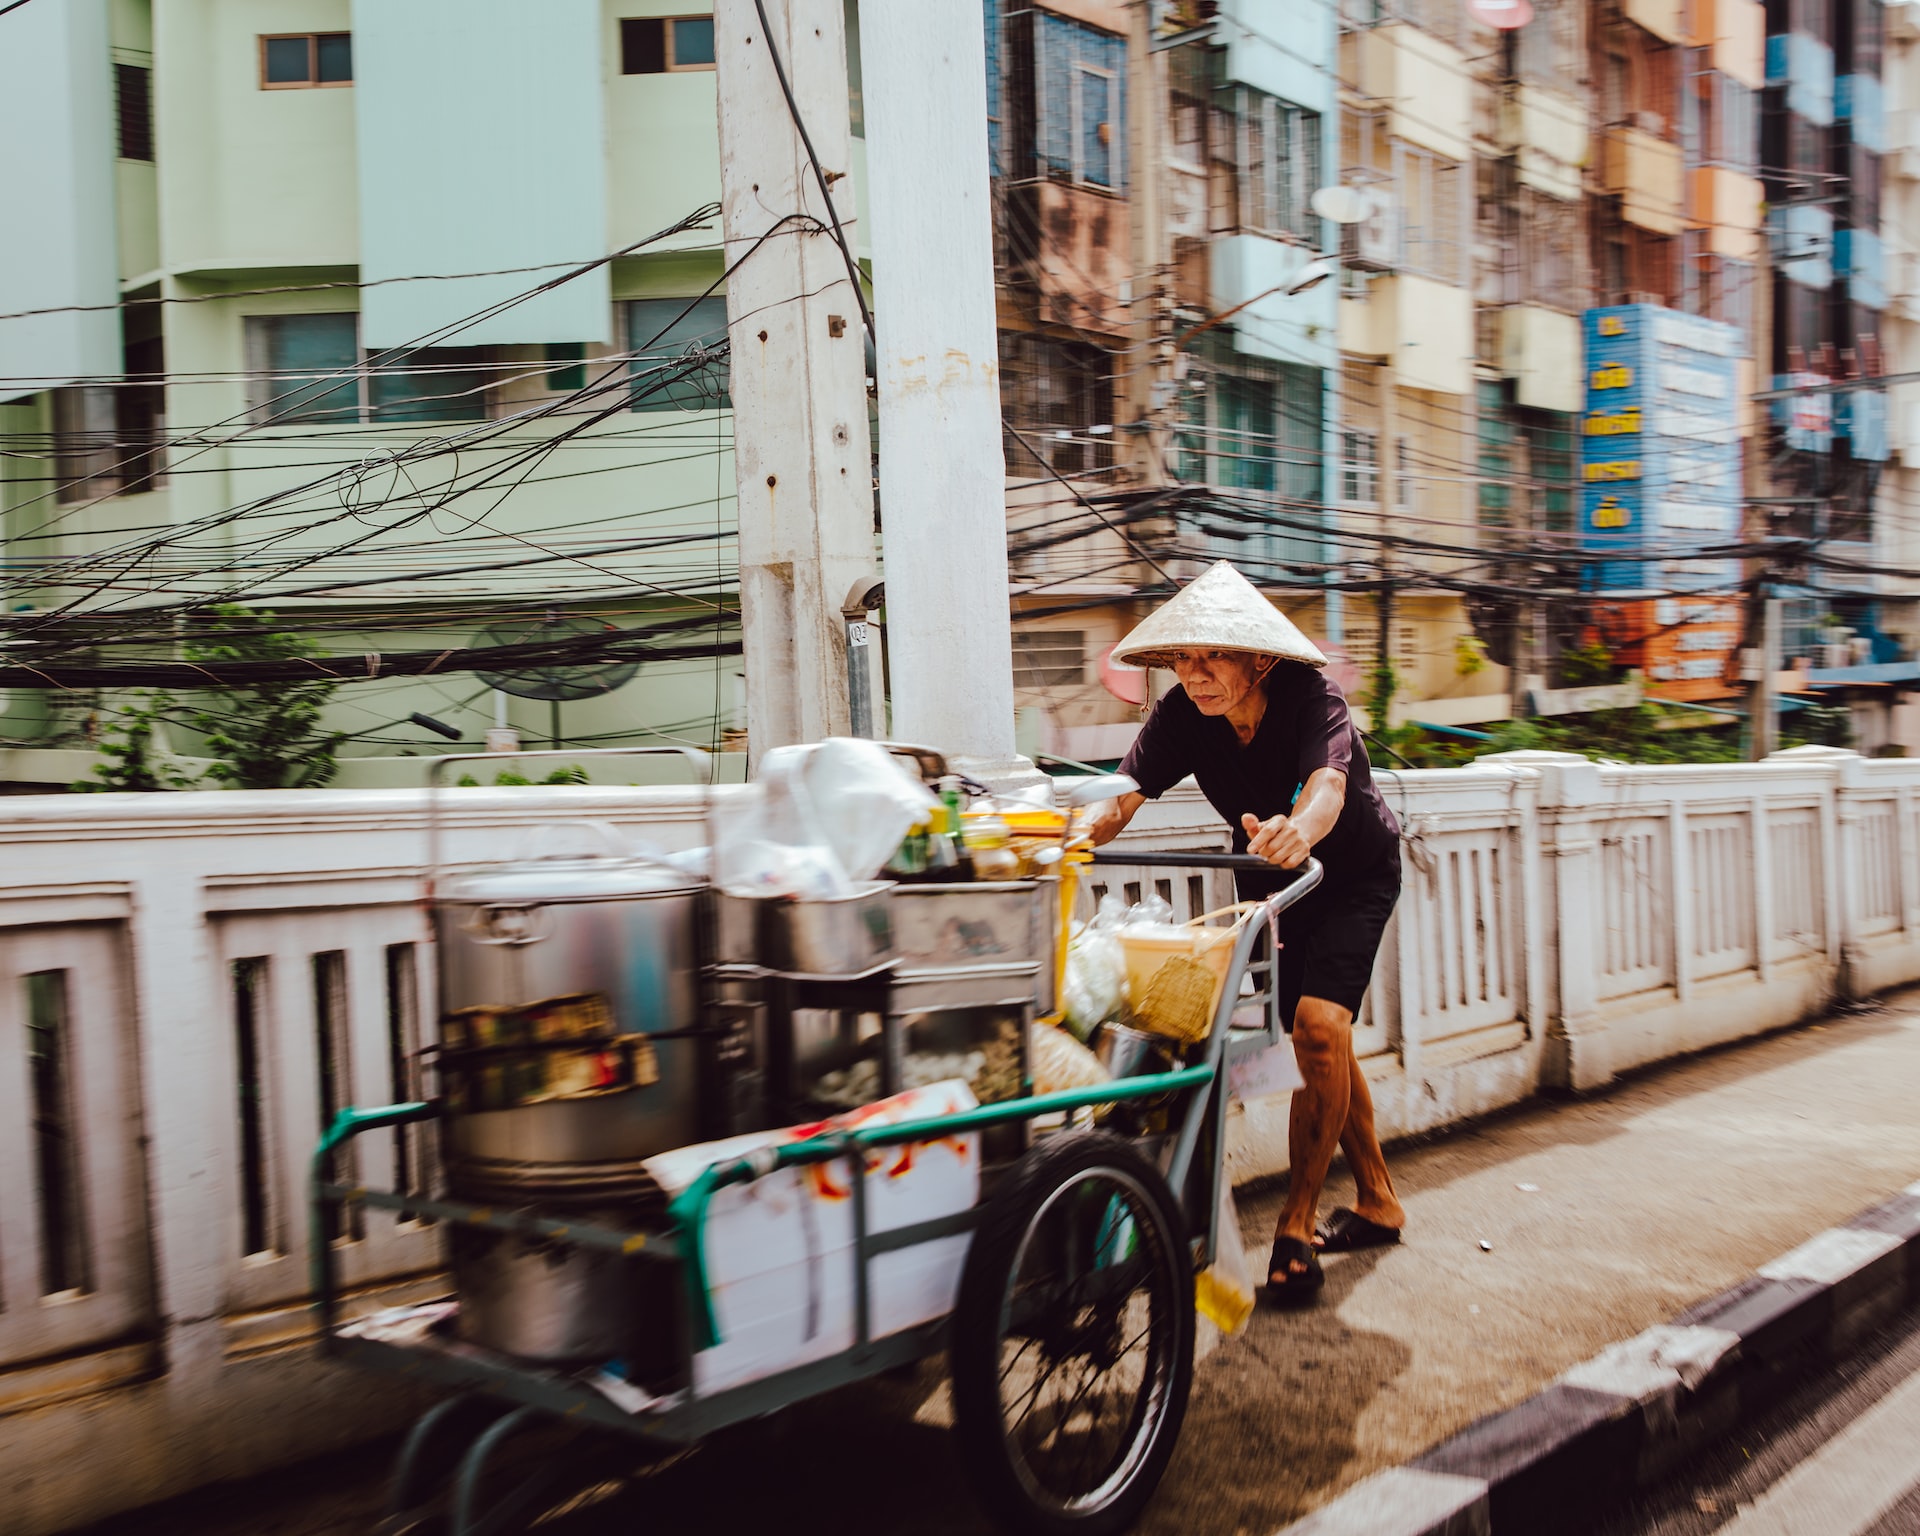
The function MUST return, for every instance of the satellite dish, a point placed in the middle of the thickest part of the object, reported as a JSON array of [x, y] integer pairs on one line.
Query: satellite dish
[[555, 681], [1502, 15], [1343, 205]]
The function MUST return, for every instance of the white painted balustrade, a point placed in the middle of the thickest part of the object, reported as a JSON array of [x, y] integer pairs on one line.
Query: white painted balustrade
[[190, 983]]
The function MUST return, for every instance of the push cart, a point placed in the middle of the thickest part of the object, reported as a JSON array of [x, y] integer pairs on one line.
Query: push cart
[[1070, 1337]]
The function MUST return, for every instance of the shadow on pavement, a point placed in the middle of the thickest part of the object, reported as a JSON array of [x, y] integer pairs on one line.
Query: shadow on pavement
[[1275, 1412]]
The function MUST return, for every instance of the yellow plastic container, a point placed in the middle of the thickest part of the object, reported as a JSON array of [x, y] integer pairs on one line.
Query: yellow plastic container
[[1175, 973]]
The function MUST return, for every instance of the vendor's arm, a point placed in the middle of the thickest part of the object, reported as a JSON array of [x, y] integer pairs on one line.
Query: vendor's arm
[[1113, 817], [1287, 840]]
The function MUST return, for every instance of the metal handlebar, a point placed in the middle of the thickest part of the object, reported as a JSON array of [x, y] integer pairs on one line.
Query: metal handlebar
[[1198, 860]]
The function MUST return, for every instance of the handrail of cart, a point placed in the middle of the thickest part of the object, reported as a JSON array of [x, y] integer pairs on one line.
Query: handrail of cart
[[688, 1209], [1199, 858]]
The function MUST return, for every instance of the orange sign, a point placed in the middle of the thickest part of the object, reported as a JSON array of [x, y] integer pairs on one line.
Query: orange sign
[[1686, 647]]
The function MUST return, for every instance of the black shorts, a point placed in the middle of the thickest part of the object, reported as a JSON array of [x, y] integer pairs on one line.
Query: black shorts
[[1330, 938]]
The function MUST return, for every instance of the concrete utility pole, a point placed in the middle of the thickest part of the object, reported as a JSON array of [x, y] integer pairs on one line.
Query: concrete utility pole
[[943, 469], [802, 461], [1148, 387], [1763, 701]]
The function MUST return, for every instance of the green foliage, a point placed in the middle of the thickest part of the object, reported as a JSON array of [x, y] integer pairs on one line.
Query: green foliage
[[572, 773], [264, 735], [130, 757], [1587, 666], [1469, 655], [1636, 735]]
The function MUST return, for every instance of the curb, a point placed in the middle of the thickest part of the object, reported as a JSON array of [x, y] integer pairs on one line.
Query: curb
[[1627, 1416]]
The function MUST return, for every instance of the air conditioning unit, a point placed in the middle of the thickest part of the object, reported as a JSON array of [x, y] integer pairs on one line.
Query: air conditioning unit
[[1377, 238]]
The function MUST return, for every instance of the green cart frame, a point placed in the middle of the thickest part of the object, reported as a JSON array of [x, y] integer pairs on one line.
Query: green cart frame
[[1070, 1346]]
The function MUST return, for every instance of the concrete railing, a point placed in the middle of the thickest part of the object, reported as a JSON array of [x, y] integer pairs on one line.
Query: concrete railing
[[189, 982]]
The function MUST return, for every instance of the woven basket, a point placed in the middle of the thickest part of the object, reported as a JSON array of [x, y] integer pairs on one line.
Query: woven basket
[[1175, 975]]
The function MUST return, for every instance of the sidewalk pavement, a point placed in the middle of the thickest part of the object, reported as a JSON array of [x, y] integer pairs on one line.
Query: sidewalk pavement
[[1534, 1241]]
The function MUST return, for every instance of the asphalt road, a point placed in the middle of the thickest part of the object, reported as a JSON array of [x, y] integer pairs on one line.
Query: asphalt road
[[1838, 1457]]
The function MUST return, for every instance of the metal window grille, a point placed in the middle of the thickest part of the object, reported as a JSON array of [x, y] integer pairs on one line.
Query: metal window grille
[[1077, 119], [1425, 227], [1275, 151], [335, 1077], [1552, 269], [1256, 430], [1494, 499], [1359, 467], [56, 1149], [1434, 194], [1551, 50], [1055, 394], [1552, 451], [1049, 658], [133, 104], [249, 980]]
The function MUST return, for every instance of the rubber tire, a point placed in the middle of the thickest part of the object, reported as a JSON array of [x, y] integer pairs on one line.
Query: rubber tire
[[974, 1350]]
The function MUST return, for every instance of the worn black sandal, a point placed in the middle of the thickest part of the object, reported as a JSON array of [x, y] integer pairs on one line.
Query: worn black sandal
[[1293, 1289], [1348, 1231]]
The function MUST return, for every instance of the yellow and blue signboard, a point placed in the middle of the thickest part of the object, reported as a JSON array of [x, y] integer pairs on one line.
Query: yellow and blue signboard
[[1660, 449]]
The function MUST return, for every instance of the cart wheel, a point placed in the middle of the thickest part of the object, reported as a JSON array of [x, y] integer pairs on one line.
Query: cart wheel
[[1072, 1343]]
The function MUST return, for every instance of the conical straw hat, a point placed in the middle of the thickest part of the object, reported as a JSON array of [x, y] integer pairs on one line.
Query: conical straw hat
[[1219, 612]]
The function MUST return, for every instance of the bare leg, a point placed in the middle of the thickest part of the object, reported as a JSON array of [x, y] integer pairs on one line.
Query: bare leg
[[1323, 1045], [1374, 1196]]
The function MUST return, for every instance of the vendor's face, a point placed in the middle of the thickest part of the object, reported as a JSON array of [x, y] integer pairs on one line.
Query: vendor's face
[[1219, 682]]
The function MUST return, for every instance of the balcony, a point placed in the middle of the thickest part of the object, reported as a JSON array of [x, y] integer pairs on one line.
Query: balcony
[[1540, 350], [1424, 84], [1422, 329], [1665, 19], [1858, 258], [1548, 134], [1726, 205], [1072, 247], [1736, 33], [1296, 328], [1648, 175]]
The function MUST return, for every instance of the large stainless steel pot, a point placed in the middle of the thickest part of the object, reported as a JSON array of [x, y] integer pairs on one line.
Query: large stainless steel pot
[[541, 928], [555, 1303]]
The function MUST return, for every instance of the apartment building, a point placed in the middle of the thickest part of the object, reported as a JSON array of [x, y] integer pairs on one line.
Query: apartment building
[[267, 228], [302, 260]]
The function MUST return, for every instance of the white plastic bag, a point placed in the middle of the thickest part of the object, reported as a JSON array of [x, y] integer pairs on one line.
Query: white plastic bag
[[817, 821], [864, 802], [1094, 988], [1223, 1291]]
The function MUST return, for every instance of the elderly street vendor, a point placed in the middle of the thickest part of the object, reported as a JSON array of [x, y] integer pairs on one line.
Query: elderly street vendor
[[1274, 750]]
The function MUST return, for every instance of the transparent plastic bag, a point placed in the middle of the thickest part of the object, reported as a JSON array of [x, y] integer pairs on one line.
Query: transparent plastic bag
[[1223, 1291], [864, 801], [1058, 1061], [1095, 986], [1150, 911], [818, 820]]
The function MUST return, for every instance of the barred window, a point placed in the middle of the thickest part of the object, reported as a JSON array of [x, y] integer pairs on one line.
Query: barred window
[[1275, 151], [1066, 85], [1058, 401], [1427, 202], [1359, 467], [1049, 658]]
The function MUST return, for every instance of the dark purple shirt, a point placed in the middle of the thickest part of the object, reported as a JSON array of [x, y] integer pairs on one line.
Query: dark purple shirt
[[1306, 727]]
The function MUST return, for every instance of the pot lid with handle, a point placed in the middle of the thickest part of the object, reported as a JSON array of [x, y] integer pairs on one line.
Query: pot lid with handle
[[571, 861]]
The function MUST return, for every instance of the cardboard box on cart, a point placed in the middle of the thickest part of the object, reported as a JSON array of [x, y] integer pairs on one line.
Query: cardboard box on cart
[[779, 1249]]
